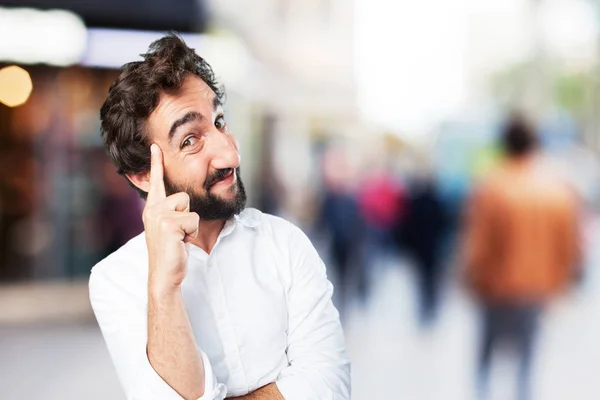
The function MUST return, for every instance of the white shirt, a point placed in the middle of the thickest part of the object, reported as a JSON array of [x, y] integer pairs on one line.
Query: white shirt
[[259, 305]]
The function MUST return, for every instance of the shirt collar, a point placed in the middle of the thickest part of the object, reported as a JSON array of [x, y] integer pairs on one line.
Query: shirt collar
[[250, 218]]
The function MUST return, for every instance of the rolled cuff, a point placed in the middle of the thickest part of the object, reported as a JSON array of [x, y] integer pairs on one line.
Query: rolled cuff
[[212, 389], [152, 387]]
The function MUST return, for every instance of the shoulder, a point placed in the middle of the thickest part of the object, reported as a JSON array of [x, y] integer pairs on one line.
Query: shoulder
[[286, 237]]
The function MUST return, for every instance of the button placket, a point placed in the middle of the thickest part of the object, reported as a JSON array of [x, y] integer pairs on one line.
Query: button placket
[[225, 324]]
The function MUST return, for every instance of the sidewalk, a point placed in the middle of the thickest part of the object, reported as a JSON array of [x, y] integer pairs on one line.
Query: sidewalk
[[44, 302]]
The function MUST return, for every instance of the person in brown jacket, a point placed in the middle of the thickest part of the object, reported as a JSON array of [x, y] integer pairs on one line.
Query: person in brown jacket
[[521, 248]]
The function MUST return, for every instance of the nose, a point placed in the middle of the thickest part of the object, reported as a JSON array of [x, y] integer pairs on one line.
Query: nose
[[224, 151]]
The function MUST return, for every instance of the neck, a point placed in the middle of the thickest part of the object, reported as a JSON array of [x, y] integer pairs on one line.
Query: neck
[[208, 233]]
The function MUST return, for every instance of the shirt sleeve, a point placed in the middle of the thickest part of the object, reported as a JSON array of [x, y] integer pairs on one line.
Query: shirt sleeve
[[318, 367], [123, 323]]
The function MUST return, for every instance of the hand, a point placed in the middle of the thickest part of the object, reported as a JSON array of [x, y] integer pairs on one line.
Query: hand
[[169, 225]]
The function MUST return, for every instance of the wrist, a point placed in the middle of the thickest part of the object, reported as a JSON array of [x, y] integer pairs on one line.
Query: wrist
[[158, 289]]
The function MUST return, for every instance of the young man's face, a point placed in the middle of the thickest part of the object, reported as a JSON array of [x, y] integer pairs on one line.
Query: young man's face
[[200, 155]]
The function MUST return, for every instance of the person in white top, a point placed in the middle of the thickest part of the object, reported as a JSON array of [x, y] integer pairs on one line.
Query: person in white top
[[212, 300]]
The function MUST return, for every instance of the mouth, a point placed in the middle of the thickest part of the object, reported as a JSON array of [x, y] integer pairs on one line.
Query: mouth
[[226, 180]]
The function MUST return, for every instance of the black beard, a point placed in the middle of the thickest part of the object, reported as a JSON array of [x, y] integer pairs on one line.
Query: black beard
[[211, 207]]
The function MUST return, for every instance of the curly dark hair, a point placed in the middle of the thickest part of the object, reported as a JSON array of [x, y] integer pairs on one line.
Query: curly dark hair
[[135, 94]]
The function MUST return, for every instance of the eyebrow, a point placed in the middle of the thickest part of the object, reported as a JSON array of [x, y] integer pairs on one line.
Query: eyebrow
[[192, 116], [186, 119]]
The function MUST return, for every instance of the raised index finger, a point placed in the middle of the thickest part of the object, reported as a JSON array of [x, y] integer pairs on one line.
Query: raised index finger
[[157, 190]]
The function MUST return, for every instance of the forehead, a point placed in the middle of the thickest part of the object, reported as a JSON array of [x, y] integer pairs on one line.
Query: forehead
[[194, 95]]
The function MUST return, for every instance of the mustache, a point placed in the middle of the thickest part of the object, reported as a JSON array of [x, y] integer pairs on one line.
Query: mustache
[[216, 177]]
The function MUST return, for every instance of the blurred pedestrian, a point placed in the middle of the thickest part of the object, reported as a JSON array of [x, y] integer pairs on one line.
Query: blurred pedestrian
[[339, 218], [521, 248], [421, 234], [381, 200]]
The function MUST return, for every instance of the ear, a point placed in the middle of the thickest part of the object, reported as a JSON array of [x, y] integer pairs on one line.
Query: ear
[[141, 180]]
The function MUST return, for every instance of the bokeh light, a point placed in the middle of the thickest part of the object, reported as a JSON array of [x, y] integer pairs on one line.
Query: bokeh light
[[15, 86]]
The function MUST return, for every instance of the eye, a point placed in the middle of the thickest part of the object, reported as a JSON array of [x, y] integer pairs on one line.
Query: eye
[[220, 122], [190, 140]]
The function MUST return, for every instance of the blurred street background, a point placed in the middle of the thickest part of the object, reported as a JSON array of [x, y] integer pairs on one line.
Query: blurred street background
[[368, 123]]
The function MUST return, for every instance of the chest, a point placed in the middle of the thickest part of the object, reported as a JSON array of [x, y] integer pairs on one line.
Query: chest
[[237, 304]]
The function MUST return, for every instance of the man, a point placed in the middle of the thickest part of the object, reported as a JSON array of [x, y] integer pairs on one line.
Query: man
[[521, 248], [422, 234], [212, 300]]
